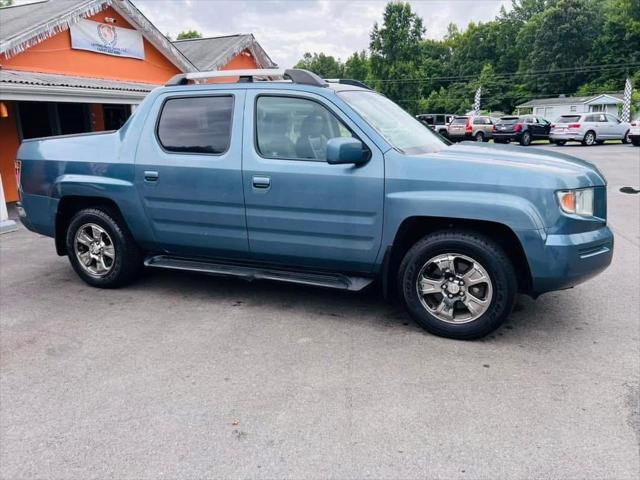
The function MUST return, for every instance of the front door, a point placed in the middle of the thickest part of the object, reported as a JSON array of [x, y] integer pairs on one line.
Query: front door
[[188, 173], [301, 210]]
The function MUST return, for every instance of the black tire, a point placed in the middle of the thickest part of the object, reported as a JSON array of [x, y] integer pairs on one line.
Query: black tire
[[127, 263], [626, 138], [589, 138], [525, 140], [479, 137], [559, 143], [636, 141], [476, 246]]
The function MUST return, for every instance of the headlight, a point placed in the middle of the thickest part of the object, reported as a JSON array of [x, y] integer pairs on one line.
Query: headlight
[[579, 202]]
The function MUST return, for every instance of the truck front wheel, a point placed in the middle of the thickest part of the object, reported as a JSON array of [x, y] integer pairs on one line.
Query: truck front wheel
[[458, 284], [101, 249]]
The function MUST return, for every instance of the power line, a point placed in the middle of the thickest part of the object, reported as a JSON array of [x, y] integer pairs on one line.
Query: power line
[[509, 75]]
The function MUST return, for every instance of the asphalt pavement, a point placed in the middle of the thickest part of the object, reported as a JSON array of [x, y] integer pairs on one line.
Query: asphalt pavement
[[190, 376]]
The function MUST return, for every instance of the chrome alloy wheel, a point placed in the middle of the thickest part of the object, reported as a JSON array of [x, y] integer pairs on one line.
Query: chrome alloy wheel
[[94, 249], [454, 288]]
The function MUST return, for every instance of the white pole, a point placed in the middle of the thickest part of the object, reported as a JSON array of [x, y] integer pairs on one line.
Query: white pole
[[6, 225]]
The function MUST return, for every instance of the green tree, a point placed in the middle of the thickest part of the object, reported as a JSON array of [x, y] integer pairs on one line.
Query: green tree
[[324, 65], [6, 3], [395, 54], [557, 41], [189, 34], [357, 66]]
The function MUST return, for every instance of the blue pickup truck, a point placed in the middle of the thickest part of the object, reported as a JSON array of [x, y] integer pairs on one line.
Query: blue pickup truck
[[281, 175]]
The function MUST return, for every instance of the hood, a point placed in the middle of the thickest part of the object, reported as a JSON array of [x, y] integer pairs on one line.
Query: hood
[[569, 171]]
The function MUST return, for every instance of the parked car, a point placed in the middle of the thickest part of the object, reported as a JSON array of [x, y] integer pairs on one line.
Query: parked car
[[316, 183], [438, 122], [588, 128], [479, 128], [634, 132], [523, 129]]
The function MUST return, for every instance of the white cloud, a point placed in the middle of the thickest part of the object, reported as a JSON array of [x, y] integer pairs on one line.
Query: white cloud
[[287, 29]]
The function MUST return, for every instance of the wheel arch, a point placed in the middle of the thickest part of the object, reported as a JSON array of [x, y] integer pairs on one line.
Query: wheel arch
[[414, 228], [68, 206]]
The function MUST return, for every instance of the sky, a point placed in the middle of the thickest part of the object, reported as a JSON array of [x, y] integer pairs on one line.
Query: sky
[[287, 29]]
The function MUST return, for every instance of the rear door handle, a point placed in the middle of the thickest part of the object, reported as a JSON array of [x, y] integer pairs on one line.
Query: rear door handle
[[261, 182], [150, 176]]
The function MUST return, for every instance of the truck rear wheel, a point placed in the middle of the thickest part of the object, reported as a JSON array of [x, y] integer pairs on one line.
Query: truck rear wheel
[[101, 249], [457, 284]]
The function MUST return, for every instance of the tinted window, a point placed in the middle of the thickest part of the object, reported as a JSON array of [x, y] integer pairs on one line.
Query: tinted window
[[508, 120], [569, 119], [459, 121], [196, 124], [295, 128]]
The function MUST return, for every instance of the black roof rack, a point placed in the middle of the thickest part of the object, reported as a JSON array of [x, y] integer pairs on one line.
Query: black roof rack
[[349, 81]]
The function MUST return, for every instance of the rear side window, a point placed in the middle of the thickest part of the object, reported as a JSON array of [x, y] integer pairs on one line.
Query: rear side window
[[196, 124], [459, 121], [295, 128]]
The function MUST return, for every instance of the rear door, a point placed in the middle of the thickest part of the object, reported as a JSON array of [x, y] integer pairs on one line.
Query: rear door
[[302, 211], [189, 176]]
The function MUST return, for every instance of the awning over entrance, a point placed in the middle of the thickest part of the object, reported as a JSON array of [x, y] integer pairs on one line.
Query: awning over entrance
[[50, 87]]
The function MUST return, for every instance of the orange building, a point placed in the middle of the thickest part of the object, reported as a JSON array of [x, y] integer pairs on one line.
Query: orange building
[[72, 66]]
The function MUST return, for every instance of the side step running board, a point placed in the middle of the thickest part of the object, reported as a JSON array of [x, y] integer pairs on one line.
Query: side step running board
[[250, 273]]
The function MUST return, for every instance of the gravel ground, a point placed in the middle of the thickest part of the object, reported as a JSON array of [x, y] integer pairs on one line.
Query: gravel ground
[[189, 376]]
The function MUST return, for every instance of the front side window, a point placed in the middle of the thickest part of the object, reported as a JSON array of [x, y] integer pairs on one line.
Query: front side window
[[399, 128], [196, 124], [612, 119], [295, 128]]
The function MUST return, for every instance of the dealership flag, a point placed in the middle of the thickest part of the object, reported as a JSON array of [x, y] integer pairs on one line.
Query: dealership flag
[[626, 106], [476, 102]]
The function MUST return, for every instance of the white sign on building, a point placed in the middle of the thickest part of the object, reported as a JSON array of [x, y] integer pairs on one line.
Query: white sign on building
[[107, 39]]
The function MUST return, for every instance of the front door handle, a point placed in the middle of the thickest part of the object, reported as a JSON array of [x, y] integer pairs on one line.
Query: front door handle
[[261, 182], [150, 176]]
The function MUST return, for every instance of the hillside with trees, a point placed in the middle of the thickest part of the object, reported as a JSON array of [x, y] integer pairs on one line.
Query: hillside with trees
[[536, 49]]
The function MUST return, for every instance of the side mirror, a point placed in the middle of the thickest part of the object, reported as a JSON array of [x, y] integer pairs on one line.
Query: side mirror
[[345, 150]]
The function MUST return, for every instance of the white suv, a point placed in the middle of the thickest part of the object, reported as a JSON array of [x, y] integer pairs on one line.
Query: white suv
[[588, 128]]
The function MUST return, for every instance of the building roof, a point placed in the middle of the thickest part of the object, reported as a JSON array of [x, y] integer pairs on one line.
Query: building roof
[[28, 24], [51, 87], [612, 98], [56, 80], [215, 52]]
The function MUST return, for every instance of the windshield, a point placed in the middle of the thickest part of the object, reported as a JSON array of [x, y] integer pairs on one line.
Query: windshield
[[400, 129]]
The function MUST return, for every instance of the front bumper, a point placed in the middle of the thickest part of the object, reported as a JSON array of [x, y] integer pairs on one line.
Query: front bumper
[[570, 259]]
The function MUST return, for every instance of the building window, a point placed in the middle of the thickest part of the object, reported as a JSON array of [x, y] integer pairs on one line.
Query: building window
[[296, 128], [45, 119], [573, 108], [35, 119], [196, 124], [115, 116]]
